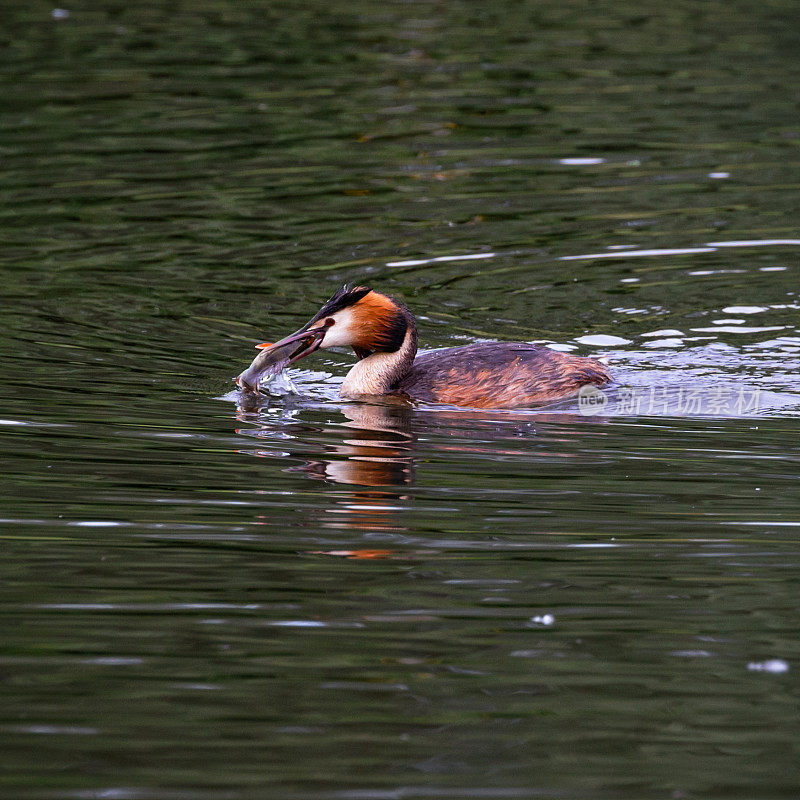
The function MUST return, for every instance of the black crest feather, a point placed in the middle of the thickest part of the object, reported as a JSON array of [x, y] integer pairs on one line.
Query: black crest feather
[[342, 298]]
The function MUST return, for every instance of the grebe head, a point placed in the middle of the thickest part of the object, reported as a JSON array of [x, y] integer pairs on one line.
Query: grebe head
[[355, 317]]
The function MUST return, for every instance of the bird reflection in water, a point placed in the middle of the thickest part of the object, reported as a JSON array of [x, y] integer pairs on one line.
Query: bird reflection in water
[[378, 452], [378, 457]]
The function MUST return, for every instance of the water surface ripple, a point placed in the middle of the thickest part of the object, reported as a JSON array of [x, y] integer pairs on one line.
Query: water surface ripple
[[206, 598]]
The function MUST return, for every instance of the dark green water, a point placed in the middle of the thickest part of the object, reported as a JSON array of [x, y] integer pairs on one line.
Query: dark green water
[[318, 600]]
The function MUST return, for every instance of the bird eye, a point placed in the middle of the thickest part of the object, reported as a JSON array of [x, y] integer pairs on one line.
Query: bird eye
[[330, 321]]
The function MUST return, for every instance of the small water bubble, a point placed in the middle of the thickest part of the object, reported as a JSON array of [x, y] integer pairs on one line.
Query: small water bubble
[[691, 653], [775, 666], [744, 309], [561, 348], [298, 623], [663, 332], [602, 340], [580, 162], [541, 620], [656, 343]]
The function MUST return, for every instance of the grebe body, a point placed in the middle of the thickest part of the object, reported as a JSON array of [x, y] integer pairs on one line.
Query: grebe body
[[499, 375], [383, 334]]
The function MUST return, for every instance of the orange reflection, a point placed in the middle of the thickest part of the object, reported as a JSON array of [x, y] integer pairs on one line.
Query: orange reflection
[[360, 554]]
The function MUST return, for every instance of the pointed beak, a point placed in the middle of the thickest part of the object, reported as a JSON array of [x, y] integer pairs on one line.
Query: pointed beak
[[274, 358]]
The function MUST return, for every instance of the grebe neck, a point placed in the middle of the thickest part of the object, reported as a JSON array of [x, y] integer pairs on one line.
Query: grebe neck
[[379, 372]]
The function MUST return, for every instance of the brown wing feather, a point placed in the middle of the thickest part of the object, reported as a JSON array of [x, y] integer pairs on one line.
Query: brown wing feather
[[499, 375]]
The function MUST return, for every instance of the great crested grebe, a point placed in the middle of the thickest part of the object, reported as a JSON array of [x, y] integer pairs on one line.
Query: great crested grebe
[[383, 335]]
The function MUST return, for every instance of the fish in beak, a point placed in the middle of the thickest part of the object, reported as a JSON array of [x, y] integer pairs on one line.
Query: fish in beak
[[354, 317], [274, 358]]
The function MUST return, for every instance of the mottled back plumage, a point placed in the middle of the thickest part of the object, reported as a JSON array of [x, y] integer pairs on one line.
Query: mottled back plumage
[[499, 375]]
